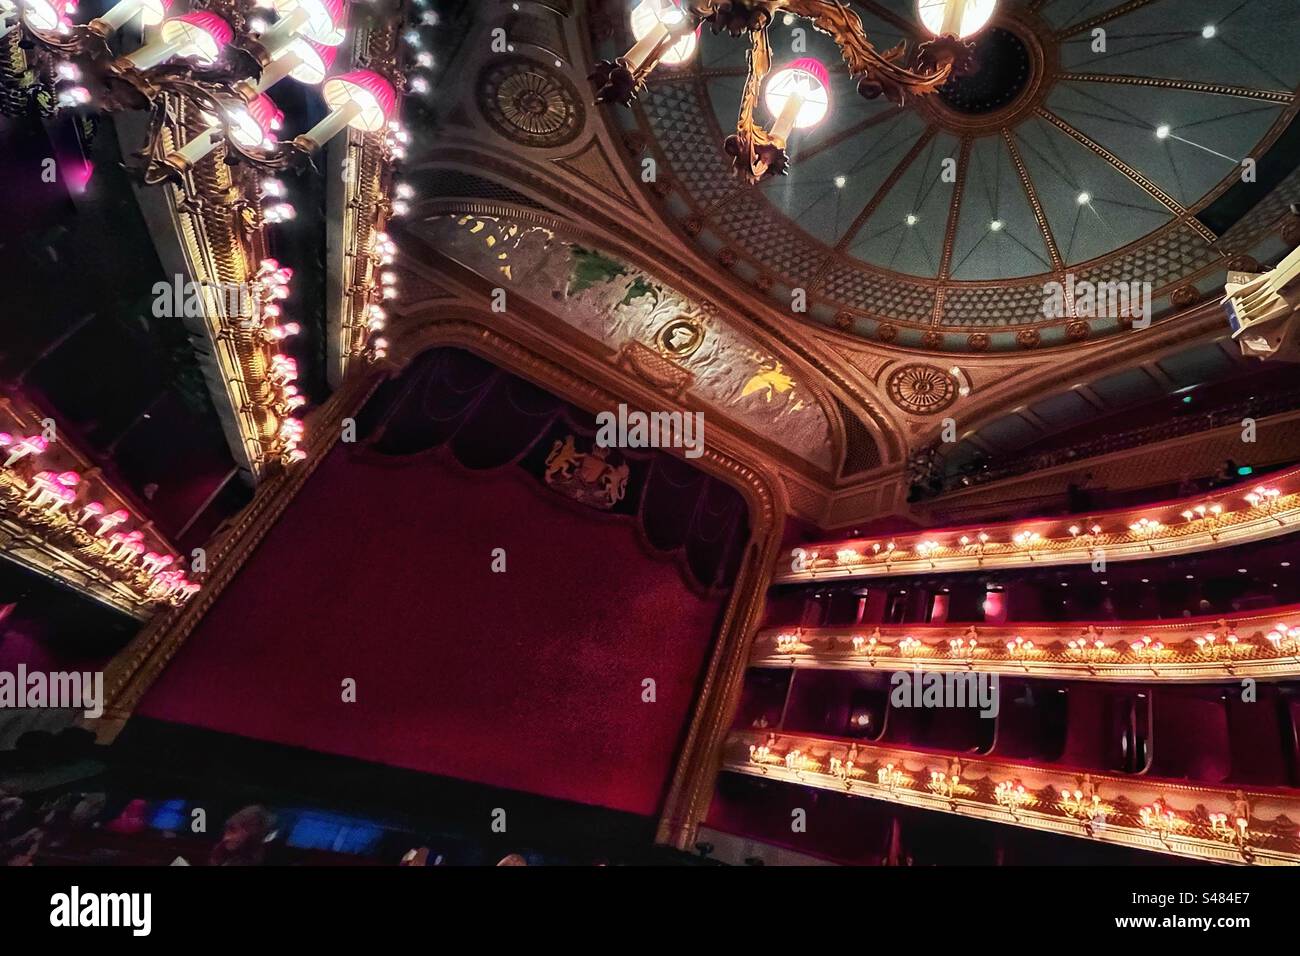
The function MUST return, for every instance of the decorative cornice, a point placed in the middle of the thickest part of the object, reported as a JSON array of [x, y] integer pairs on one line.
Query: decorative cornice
[[1139, 812], [364, 205], [218, 217]]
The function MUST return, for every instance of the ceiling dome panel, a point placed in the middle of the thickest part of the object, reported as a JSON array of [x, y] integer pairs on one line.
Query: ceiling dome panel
[[1063, 171], [1188, 142], [997, 233], [905, 230], [836, 183], [1249, 45], [1069, 157]]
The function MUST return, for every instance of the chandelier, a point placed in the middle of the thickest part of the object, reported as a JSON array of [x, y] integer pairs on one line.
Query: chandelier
[[195, 71], [797, 95]]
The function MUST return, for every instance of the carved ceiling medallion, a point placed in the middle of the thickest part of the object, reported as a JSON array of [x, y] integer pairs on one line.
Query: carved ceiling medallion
[[921, 389], [530, 104]]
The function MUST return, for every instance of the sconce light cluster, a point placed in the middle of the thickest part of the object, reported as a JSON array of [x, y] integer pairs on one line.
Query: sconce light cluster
[[270, 286], [61, 503], [934, 547], [222, 78]]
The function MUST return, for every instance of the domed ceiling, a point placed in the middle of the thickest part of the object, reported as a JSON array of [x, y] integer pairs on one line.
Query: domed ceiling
[[1111, 156]]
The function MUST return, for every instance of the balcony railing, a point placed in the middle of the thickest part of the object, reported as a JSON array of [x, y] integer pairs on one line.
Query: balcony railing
[[1219, 824], [1228, 414], [1260, 645], [1234, 515]]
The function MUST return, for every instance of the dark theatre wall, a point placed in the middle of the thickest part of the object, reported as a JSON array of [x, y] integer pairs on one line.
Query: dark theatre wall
[[380, 571]]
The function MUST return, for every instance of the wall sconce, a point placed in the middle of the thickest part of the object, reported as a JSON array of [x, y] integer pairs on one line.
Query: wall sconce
[[198, 36], [252, 126], [20, 447], [944, 784], [362, 99], [1012, 796], [1284, 639], [1020, 648], [890, 777], [1159, 819]]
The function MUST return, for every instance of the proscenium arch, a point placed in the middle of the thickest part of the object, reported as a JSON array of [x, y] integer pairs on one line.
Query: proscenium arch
[[697, 766]]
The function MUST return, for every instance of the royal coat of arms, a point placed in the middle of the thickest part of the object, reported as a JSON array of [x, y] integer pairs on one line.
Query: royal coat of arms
[[588, 477]]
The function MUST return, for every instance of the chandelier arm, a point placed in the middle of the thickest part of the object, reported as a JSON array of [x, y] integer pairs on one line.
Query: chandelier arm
[[621, 80], [78, 41], [884, 73], [754, 154]]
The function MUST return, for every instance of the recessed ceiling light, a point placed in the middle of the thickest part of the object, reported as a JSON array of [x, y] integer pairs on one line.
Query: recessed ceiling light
[[1286, 564], [1084, 198], [911, 219], [1162, 131], [1241, 570], [841, 181], [1190, 577], [996, 225], [1146, 580], [1209, 31]]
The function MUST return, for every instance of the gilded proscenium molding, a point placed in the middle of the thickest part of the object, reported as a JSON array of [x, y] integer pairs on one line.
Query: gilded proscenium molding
[[60, 517], [1250, 511], [1139, 812], [132, 672], [1261, 645], [366, 204], [602, 388]]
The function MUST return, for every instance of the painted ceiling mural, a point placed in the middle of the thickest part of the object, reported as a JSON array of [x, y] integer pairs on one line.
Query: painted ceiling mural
[[1112, 162], [682, 345]]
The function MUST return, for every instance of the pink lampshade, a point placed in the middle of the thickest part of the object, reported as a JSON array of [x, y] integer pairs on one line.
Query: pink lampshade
[[327, 54], [211, 24], [805, 78], [257, 122], [315, 60], [365, 89], [811, 65], [325, 20]]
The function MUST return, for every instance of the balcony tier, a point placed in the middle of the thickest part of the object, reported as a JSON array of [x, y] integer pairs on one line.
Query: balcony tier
[[1140, 812], [1239, 514], [1263, 644]]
